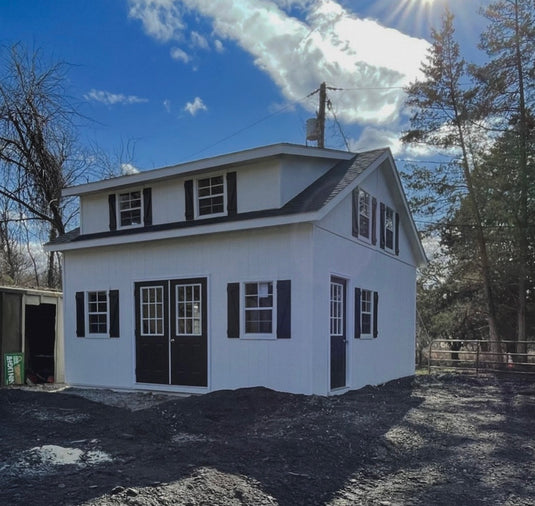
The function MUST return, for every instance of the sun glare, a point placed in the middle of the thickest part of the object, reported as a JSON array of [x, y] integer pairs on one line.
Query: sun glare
[[412, 16]]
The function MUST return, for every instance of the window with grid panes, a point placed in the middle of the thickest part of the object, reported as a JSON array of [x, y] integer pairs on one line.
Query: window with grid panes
[[97, 312], [364, 213], [152, 319], [211, 195], [366, 311], [188, 310], [259, 307], [337, 309], [130, 212], [389, 228]]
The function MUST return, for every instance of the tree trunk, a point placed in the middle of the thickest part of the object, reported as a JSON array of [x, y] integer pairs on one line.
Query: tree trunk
[[523, 210]]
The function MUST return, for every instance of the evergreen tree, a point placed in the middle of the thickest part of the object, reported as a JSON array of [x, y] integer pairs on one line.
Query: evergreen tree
[[506, 85], [444, 113]]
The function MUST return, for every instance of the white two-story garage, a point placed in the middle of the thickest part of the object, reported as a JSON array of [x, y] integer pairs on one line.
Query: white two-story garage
[[283, 266]]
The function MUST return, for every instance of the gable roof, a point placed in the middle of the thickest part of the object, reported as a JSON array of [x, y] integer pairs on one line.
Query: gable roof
[[312, 204]]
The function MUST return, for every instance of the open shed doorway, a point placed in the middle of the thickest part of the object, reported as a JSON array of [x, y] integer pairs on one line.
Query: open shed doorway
[[40, 341]]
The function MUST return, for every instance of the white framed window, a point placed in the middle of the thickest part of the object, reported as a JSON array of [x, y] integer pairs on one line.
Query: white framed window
[[259, 308], [337, 309], [130, 208], [365, 214], [211, 196], [97, 313], [152, 306], [389, 228], [366, 313], [188, 310]]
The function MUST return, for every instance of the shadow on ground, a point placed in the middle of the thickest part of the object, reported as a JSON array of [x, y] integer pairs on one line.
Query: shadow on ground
[[431, 440]]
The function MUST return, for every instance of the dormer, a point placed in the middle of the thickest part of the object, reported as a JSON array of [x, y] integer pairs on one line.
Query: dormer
[[216, 188]]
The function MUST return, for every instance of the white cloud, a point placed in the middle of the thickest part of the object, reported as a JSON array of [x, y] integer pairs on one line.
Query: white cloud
[[329, 43], [375, 138], [179, 55], [161, 19], [194, 107], [108, 98], [219, 46], [198, 40], [167, 105], [128, 169]]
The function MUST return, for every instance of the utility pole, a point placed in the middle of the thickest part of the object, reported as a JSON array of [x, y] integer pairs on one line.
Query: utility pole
[[321, 116]]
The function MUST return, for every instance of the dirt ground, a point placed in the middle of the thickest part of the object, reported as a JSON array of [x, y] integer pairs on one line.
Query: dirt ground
[[429, 440]]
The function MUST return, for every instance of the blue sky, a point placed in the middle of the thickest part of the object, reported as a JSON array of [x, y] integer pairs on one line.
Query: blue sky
[[165, 81]]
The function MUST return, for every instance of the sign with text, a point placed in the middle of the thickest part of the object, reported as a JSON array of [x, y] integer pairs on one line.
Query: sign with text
[[14, 368]]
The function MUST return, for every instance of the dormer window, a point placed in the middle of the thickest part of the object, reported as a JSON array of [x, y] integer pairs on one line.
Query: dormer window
[[130, 209], [211, 196]]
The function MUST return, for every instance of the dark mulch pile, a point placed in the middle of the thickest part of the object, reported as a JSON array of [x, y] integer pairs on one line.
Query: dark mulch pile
[[428, 440]]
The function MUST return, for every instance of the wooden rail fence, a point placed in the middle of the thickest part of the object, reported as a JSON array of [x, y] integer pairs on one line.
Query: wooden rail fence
[[476, 356]]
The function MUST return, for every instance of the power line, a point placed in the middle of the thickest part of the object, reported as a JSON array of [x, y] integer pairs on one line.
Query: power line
[[251, 125], [289, 106]]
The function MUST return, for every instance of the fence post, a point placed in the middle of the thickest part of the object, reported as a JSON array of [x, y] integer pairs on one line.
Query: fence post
[[429, 358], [477, 358]]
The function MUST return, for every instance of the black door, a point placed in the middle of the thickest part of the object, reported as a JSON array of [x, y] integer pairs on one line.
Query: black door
[[338, 332], [188, 332], [171, 332], [152, 332]]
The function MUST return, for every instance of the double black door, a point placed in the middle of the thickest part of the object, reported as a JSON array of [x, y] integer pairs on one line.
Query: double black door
[[171, 332]]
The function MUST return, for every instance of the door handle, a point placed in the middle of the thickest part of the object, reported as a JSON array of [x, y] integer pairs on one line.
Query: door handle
[[172, 340]]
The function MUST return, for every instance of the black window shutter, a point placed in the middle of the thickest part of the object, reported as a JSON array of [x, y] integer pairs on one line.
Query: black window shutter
[[375, 313], [80, 312], [382, 226], [284, 309], [233, 310], [113, 211], [147, 206], [232, 197], [114, 313], [374, 221], [397, 234], [357, 313], [355, 212], [188, 192]]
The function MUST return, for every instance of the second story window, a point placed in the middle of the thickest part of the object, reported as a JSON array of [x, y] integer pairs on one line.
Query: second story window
[[389, 228], [364, 214], [130, 212], [211, 195], [130, 208]]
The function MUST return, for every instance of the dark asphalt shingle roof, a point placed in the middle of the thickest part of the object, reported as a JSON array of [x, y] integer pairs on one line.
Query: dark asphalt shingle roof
[[311, 199]]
